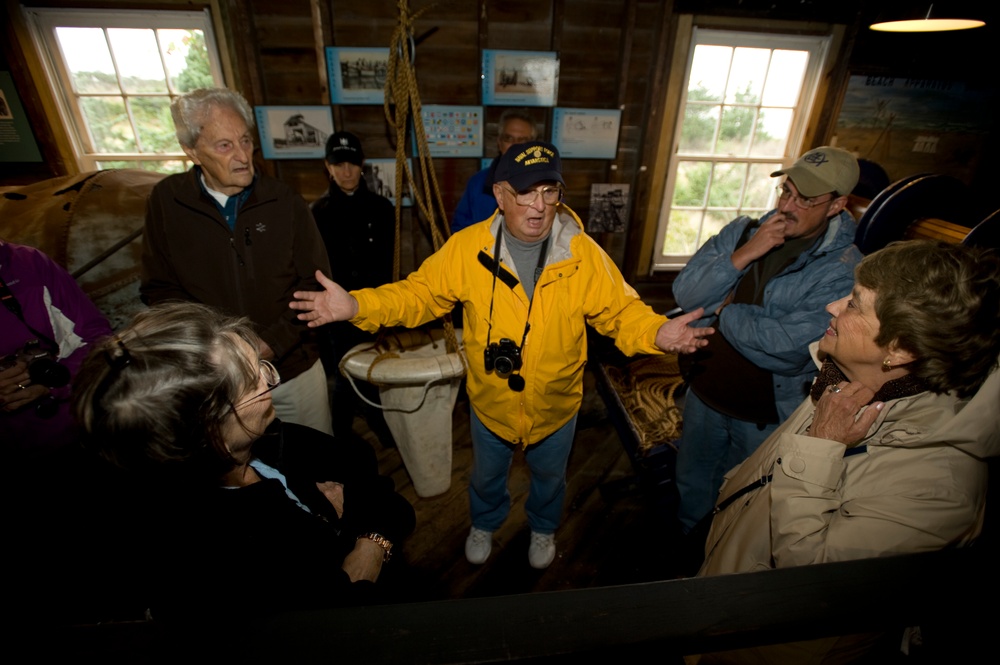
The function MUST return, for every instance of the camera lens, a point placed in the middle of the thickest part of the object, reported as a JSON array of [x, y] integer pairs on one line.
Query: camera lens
[[49, 373], [504, 366]]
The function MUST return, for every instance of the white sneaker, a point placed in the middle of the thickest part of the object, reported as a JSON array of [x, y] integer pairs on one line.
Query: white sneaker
[[542, 550], [478, 545]]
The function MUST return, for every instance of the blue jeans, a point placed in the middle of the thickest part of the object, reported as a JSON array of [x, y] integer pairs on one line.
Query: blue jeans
[[711, 445], [489, 498]]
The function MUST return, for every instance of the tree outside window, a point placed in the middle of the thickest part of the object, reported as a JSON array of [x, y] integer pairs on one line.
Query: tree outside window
[[740, 120], [117, 74]]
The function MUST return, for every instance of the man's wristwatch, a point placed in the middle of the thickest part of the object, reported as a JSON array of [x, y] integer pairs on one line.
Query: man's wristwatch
[[381, 541]]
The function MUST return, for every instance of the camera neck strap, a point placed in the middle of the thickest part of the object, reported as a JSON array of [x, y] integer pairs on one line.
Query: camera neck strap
[[14, 307], [496, 272]]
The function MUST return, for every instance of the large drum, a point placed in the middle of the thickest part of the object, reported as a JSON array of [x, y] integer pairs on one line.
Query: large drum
[[90, 224]]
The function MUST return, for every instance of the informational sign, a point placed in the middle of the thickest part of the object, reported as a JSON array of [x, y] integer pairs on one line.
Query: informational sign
[[294, 132], [17, 143], [586, 133], [520, 78], [357, 75], [453, 131]]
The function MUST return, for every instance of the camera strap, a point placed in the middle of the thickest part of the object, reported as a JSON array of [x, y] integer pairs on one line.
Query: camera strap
[[496, 272], [14, 307]]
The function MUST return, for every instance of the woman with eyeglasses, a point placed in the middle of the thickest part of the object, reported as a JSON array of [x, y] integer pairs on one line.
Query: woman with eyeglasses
[[289, 516]]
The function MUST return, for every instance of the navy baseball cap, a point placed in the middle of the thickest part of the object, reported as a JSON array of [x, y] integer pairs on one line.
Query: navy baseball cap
[[527, 164], [344, 147]]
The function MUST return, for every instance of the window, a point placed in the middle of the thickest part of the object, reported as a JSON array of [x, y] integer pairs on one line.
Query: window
[[114, 75], [747, 100]]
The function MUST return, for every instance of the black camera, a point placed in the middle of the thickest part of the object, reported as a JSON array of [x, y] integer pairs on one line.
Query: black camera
[[42, 368], [503, 357]]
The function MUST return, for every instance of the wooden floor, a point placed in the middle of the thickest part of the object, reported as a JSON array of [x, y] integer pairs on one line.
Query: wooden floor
[[613, 532]]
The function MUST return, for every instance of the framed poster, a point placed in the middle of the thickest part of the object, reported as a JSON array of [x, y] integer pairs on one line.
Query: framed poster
[[608, 208], [910, 126], [380, 176], [586, 133], [294, 132], [453, 131], [520, 78], [17, 143], [357, 74]]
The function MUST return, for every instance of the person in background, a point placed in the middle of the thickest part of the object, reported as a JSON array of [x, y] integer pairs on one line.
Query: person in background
[[226, 236], [477, 202], [766, 282], [47, 326], [889, 453], [530, 280], [358, 228]]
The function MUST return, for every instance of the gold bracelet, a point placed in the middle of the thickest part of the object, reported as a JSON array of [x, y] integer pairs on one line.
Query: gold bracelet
[[381, 541]]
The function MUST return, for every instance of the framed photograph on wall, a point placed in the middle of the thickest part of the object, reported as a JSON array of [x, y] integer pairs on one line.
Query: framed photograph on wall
[[608, 208], [293, 132], [453, 131], [357, 74], [380, 176], [586, 133], [520, 78]]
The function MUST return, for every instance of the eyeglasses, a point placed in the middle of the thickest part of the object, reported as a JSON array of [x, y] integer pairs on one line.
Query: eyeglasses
[[550, 195], [269, 373], [798, 201]]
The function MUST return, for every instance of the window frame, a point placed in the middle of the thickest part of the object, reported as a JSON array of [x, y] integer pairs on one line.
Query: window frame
[[43, 21], [819, 48]]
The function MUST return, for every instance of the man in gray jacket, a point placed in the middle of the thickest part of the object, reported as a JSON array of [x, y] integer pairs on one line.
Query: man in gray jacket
[[767, 282], [243, 242]]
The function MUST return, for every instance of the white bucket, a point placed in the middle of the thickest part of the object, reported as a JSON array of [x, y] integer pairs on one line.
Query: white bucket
[[418, 390]]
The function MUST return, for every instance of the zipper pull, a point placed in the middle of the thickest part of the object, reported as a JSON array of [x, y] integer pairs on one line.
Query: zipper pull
[[246, 237], [232, 245]]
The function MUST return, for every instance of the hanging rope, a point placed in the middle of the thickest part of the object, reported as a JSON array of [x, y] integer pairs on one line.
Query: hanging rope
[[402, 102]]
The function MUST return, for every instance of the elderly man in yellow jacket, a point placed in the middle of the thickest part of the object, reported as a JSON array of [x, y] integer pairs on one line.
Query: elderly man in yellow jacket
[[529, 280]]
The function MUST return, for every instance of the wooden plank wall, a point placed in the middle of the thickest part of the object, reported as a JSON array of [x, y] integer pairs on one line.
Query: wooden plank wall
[[606, 58]]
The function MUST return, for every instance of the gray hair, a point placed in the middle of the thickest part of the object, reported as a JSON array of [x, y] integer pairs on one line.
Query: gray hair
[[190, 111], [156, 396], [517, 114]]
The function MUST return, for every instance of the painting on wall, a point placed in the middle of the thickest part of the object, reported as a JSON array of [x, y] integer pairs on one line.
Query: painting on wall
[[909, 126]]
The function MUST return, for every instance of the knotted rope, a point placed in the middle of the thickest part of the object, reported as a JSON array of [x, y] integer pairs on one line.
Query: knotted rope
[[402, 101]]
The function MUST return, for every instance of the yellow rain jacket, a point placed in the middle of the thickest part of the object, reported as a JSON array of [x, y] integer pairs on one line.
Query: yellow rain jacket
[[580, 284]]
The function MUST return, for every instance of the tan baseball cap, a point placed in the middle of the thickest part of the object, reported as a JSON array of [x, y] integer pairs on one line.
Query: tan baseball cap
[[821, 170]]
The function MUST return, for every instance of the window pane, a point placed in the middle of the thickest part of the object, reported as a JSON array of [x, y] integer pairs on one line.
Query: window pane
[[682, 232], [108, 124], [773, 128], [727, 185], [186, 56], [158, 166], [85, 51], [138, 60], [709, 72], [746, 79], [760, 186], [154, 124], [698, 131], [735, 131], [784, 81], [713, 223], [692, 183]]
